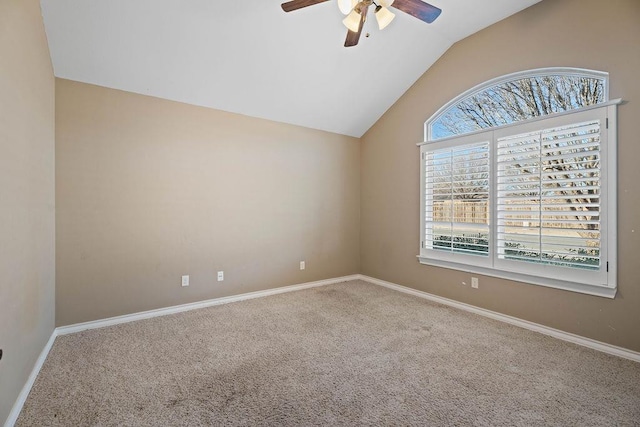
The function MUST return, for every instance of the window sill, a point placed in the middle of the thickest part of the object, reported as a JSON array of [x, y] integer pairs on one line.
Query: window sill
[[600, 291]]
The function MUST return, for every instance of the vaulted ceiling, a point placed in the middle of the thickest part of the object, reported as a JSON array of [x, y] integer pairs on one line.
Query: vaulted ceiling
[[250, 57]]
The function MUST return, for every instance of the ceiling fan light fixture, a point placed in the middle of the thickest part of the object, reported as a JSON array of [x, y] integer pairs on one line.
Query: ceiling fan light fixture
[[385, 3], [352, 21], [345, 6], [384, 17]]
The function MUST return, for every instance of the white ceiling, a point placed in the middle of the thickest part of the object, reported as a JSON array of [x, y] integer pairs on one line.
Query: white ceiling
[[250, 57]]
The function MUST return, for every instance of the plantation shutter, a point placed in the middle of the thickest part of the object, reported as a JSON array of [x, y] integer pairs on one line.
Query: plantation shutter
[[457, 199], [548, 205]]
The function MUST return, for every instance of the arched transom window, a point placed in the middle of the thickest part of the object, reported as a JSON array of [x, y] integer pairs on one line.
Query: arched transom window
[[518, 97]]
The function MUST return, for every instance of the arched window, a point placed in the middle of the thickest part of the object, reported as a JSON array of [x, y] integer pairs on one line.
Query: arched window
[[518, 180], [517, 97]]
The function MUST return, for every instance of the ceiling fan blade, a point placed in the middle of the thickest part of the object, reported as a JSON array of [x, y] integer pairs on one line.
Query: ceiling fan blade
[[354, 37], [299, 4], [419, 9]]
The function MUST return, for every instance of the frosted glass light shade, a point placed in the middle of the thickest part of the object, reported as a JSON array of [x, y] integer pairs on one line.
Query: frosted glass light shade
[[384, 17], [385, 3], [352, 21], [345, 6]]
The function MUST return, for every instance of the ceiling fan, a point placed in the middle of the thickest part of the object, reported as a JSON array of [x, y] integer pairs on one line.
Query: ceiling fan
[[356, 11]]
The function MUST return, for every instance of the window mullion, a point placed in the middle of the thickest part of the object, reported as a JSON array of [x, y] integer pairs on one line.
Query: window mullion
[[540, 196], [493, 197], [451, 245]]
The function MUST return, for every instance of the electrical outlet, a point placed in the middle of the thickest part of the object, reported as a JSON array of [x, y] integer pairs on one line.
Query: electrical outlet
[[303, 265], [220, 276], [185, 280], [474, 282]]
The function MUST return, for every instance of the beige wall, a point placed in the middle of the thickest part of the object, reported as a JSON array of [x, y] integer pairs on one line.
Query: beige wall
[[577, 33], [27, 268], [148, 190]]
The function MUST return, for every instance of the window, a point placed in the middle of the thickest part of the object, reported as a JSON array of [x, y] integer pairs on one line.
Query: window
[[531, 198]]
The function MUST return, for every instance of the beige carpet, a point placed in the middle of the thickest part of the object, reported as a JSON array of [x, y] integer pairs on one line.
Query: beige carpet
[[346, 354]]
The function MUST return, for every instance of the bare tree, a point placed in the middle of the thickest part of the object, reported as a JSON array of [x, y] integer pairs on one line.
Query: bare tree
[[519, 100]]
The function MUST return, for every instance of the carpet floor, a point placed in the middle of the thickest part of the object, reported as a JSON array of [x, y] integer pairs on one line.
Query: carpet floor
[[345, 354]]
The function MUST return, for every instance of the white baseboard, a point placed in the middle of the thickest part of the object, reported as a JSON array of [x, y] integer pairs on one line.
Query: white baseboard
[[24, 393], [63, 330], [556, 333]]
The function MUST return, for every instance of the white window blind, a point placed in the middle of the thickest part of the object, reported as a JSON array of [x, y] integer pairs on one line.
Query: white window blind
[[457, 199], [548, 187]]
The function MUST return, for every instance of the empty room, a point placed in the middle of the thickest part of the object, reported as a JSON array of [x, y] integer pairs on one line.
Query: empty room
[[319, 212]]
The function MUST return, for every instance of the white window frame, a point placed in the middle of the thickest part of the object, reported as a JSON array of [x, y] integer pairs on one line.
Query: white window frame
[[570, 279]]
